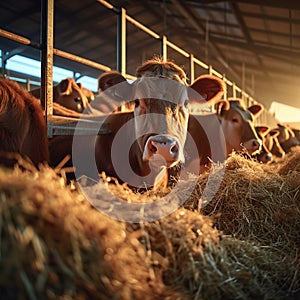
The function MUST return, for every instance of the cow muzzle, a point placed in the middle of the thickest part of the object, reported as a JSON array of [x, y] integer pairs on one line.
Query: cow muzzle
[[253, 146], [163, 147]]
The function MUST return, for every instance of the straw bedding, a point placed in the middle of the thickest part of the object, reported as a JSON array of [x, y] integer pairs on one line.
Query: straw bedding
[[243, 244]]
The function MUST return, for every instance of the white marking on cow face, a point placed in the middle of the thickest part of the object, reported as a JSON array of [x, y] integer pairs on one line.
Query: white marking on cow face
[[163, 118]]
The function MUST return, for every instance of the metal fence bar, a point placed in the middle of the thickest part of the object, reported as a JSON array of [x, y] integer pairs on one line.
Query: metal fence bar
[[178, 49], [164, 48], [142, 27], [200, 63], [192, 68], [121, 42], [14, 37], [47, 11], [80, 60]]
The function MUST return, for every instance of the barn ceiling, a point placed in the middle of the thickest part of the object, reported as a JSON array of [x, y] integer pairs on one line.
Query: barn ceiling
[[255, 43]]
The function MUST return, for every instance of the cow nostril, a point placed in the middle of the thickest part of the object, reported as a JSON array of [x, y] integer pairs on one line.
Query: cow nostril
[[174, 150]]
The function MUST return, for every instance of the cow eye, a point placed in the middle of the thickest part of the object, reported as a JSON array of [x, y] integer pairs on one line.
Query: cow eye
[[77, 99], [235, 120], [136, 102], [186, 102]]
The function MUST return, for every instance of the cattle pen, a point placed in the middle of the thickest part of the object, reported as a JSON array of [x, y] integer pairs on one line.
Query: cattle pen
[[57, 124], [236, 235]]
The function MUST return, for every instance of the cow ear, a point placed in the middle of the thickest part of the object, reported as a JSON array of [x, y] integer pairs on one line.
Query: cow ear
[[109, 79], [221, 107], [274, 132], [65, 86], [256, 109], [79, 84], [262, 130], [210, 87]]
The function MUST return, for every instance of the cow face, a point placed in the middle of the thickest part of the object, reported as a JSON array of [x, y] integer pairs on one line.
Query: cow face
[[272, 143], [161, 117], [161, 111], [238, 127], [265, 154], [286, 137], [155, 131], [70, 95]]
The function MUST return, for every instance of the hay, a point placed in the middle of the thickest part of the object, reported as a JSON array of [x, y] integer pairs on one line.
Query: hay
[[291, 163], [254, 204], [242, 245], [54, 245]]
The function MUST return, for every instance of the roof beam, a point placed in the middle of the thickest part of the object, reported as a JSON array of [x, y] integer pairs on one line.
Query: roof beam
[[287, 4], [194, 21], [237, 13]]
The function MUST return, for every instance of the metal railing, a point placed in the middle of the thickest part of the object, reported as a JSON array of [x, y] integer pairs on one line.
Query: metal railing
[[48, 51]]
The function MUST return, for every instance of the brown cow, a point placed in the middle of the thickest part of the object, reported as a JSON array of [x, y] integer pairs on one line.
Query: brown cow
[[233, 122], [238, 127], [107, 103], [22, 125], [68, 94], [286, 137], [272, 144], [265, 154]]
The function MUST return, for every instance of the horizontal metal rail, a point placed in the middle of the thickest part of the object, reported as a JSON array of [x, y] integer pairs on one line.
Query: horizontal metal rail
[[142, 27], [178, 49], [81, 60], [165, 43]]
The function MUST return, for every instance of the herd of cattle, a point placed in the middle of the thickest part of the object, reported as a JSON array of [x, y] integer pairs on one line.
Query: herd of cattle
[[154, 118]]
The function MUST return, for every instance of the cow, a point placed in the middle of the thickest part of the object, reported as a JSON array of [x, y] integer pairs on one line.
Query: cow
[[236, 125], [111, 104], [272, 144], [264, 155], [286, 137], [68, 97], [22, 124]]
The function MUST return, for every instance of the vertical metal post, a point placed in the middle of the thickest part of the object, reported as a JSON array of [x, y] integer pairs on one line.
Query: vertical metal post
[[243, 76], [3, 63], [192, 68], [47, 11], [225, 92], [163, 48], [28, 84], [121, 42], [233, 90]]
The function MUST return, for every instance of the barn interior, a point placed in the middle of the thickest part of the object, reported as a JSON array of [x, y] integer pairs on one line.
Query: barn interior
[[255, 44]]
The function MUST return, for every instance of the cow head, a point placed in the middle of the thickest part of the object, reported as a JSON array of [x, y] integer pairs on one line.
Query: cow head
[[161, 109], [286, 137], [159, 119], [238, 126], [70, 95], [88, 93], [265, 154], [272, 143], [112, 100]]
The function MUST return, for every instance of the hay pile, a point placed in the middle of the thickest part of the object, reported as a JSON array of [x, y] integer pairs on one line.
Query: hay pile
[[243, 244], [54, 245]]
